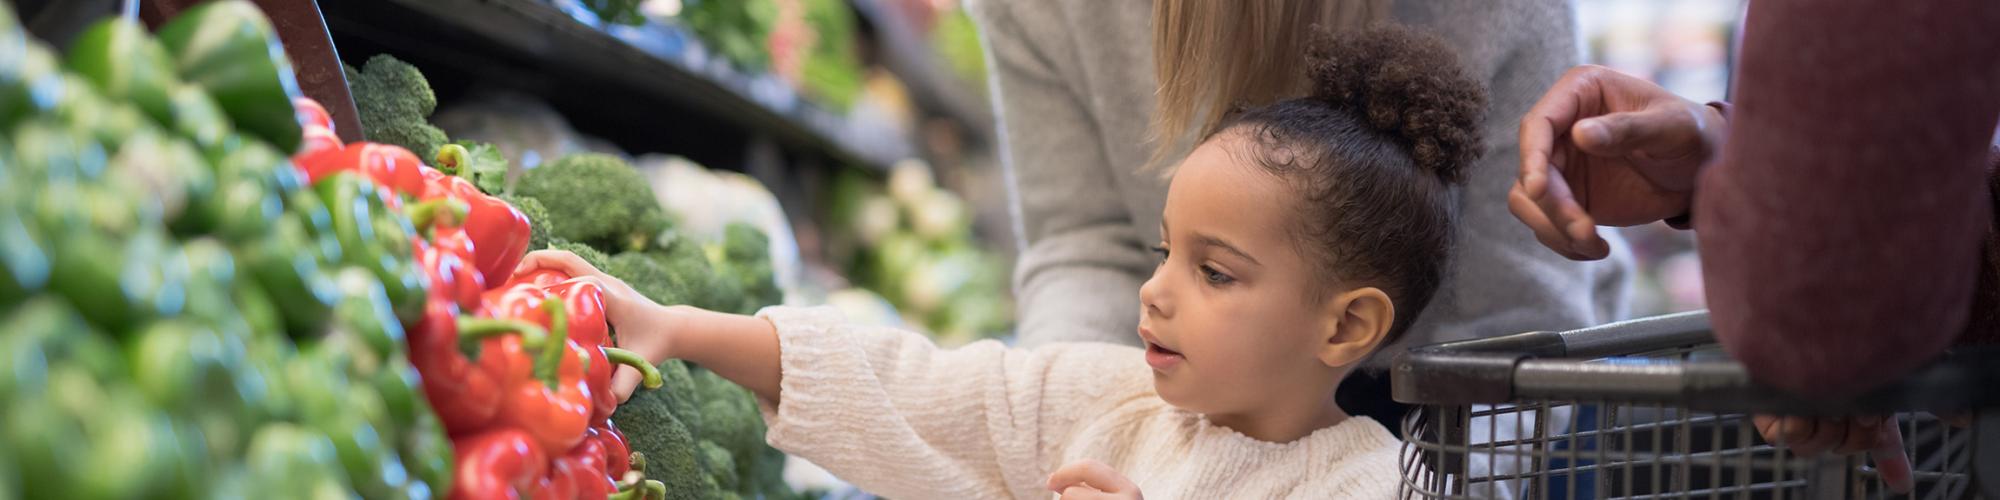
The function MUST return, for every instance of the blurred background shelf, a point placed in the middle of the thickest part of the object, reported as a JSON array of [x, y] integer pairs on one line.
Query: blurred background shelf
[[650, 88]]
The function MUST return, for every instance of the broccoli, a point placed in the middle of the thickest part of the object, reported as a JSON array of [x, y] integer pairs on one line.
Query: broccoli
[[648, 276], [600, 200], [590, 255], [720, 464], [732, 421], [745, 258], [540, 225], [651, 421], [394, 101]]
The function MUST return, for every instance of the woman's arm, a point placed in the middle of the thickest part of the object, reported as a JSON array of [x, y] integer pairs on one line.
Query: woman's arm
[[1081, 262]]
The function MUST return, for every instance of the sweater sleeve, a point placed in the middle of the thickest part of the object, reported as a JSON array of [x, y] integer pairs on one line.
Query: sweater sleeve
[[890, 412], [1081, 263], [1840, 232]]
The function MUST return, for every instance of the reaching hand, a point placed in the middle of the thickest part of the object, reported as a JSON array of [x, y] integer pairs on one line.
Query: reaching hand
[[643, 326], [1092, 480], [1604, 148]]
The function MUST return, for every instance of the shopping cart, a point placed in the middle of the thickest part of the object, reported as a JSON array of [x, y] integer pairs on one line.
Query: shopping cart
[[1650, 408]]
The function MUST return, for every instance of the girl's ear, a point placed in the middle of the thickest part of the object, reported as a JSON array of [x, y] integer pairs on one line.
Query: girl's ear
[[1356, 322]]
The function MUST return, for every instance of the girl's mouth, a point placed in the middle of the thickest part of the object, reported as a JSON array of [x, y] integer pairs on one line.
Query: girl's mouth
[[1162, 358]]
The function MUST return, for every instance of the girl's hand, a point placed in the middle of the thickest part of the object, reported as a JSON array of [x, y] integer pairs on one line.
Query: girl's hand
[[1092, 480], [643, 327]]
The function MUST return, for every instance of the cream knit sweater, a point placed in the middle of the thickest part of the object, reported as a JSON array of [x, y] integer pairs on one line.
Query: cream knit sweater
[[890, 412]]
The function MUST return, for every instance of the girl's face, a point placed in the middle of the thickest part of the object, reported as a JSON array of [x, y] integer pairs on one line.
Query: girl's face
[[1229, 318]]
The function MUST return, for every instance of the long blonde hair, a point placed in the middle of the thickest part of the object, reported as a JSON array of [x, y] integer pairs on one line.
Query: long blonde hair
[[1210, 56]]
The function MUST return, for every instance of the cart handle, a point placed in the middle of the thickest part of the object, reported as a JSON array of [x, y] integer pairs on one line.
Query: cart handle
[[1598, 363]]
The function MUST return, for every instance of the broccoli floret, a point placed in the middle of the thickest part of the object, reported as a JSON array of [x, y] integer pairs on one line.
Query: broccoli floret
[[601, 201], [590, 255], [651, 421], [646, 275], [720, 464], [731, 420], [394, 101], [540, 225], [745, 258]]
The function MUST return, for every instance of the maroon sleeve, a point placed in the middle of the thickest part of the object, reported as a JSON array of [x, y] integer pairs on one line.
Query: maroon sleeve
[[1841, 232]]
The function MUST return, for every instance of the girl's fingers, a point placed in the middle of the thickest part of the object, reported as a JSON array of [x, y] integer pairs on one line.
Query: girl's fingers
[[1085, 493], [558, 260], [1092, 473]]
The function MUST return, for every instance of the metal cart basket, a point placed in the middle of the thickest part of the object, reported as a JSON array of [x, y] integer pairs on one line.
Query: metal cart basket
[[1650, 408]]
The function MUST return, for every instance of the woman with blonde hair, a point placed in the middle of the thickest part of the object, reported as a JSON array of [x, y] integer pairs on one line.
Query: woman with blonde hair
[[1095, 100]]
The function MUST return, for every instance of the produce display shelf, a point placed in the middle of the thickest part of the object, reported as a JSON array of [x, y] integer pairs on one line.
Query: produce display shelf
[[905, 52], [651, 87]]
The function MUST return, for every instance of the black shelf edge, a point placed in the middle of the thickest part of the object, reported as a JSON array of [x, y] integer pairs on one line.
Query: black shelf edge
[[541, 48]]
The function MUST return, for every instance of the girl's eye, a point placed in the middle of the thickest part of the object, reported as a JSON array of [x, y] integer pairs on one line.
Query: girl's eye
[[1215, 277], [1160, 250]]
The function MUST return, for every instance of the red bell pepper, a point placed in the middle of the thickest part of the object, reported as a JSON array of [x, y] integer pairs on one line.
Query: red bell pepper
[[387, 164], [444, 252], [552, 402], [465, 394], [498, 230], [593, 480], [501, 464], [617, 454], [587, 326], [310, 113], [560, 482], [540, 277], [317, 126]]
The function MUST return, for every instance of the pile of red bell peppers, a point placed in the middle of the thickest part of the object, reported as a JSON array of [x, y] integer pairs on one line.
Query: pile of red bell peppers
[[517, 367]]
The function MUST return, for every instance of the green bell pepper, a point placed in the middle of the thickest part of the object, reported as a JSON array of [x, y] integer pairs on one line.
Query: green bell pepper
[[24, 258], [120, 283], [91, 115], [427, 453], [169, 177], [306, 205], [47, 153], [185, 366], [45, 332], [31, 83], [296, 460], [366, 449], [198, 118], [126, 64], [286, 263], [256, 309], [229, 48], [376, 238], [248, 199], [400, 387], [44, 440], [364, 313], [9, 484]]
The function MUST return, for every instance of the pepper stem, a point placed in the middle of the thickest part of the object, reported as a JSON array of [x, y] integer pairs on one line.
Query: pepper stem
[[633, 485], [451, 159], [447, 210], [553, 351], [477, 329], [649, 375], [656, 489]]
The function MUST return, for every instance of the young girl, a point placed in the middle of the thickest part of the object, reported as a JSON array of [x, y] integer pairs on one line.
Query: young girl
[[1295, 240]]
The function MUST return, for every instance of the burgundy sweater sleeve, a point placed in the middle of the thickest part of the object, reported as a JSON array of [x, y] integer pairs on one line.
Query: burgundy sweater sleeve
[[1841, 232]]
